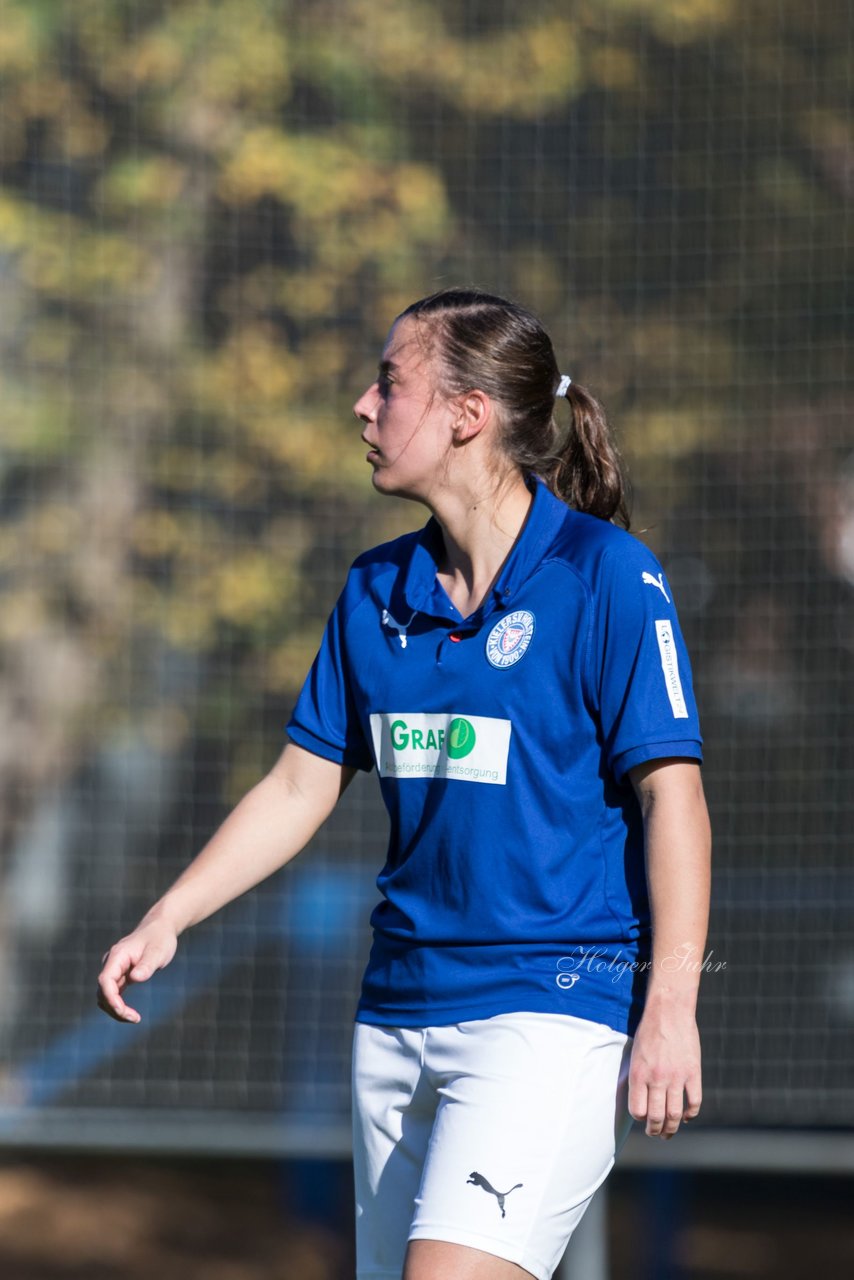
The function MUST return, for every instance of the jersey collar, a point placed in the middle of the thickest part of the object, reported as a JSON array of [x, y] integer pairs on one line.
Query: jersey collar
[[421, 590]]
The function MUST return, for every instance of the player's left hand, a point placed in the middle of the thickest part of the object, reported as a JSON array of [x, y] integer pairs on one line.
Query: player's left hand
[[665, 1084]]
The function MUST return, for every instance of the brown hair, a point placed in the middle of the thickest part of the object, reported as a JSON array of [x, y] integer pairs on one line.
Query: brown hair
[[499, 347]]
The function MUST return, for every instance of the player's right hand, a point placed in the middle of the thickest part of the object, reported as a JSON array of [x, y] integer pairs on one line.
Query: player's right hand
[[134, 959]]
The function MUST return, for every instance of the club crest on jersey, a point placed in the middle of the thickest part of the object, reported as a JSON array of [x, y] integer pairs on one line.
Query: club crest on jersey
[[508, 640]]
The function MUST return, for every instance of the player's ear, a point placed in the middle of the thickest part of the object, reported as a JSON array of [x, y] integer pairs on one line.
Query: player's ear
[[473, 411]]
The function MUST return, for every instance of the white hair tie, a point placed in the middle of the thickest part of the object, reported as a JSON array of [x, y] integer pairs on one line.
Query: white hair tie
[[563, 385]]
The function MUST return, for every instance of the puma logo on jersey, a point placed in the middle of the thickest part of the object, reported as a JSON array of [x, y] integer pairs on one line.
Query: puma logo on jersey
[[656, 582], [399, 627], [479, 1181]]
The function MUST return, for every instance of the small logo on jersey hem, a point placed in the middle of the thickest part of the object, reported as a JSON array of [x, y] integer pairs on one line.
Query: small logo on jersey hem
[[509, 639], [478, 1180]]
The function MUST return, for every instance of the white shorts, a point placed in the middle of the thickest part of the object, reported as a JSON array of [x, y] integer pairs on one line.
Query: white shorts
[[493, 1133]]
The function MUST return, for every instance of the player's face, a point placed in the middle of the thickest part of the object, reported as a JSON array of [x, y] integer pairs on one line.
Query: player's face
[[407, 421]]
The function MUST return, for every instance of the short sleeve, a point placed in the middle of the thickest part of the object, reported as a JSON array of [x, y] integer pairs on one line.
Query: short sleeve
[[641, 673], [325, 719]]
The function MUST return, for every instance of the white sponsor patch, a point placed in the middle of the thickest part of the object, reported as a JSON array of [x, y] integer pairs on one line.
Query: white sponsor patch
[[670, 667], [414, 744]]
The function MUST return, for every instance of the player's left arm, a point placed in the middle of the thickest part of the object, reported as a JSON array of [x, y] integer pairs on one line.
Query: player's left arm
[[665, 1079]]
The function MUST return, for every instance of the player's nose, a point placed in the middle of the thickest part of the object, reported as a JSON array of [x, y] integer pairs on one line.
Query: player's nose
[[365, 407]]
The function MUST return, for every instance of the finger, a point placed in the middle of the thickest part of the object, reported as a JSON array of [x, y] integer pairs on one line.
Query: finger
[[116, 1008], [637, 1100], [111, 983], [694, 1096], [655, 1111], [110, 1000], [117, 961], [673, 1112]]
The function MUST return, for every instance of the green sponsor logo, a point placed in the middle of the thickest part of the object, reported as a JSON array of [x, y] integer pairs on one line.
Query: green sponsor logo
[[421, 739], [461, 738], [459, 741]]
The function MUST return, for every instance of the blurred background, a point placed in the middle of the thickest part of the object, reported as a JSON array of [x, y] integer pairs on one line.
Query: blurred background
[[210, 212]]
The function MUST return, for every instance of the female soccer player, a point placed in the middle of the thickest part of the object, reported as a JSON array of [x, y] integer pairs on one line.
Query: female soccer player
[[515, 672]]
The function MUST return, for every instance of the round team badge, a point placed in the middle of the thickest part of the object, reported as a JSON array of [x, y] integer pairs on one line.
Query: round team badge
[[508, 640]]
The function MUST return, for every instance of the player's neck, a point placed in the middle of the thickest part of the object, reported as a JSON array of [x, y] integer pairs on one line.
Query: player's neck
[[479, 528]]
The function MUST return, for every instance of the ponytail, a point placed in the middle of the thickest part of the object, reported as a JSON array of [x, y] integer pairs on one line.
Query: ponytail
[[587, 471]]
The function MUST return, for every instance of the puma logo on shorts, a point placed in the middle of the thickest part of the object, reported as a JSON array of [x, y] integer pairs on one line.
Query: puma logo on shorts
[[479, 1181]]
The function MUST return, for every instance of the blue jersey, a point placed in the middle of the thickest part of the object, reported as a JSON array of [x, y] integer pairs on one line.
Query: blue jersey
[[515, 875]]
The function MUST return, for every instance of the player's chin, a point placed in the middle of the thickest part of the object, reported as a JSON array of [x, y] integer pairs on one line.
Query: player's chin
[[384, 481]]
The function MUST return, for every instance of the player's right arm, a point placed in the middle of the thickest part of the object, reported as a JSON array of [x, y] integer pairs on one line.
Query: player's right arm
[[270, 825]]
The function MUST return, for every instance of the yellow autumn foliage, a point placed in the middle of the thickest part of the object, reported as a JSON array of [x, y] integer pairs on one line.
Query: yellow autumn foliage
[[210, 214]]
